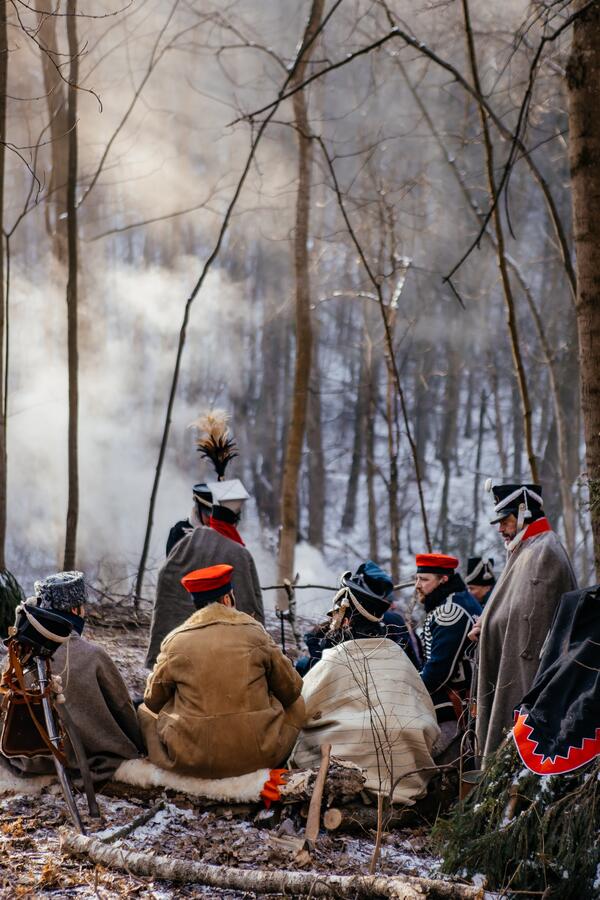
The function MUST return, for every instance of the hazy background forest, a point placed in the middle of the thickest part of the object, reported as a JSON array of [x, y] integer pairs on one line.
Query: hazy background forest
[[158, 160]]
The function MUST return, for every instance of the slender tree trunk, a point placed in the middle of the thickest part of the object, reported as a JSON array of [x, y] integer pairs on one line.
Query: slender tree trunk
[[370, 442], [469, 403], [3, 361], [393, 483], [502, 265], [517, 430], [349, 514], [448, 440], [498, 422], [476, 498], [583, 79], [295, 438], [72, 296], [271, 360], [316, 462], [55, 208]]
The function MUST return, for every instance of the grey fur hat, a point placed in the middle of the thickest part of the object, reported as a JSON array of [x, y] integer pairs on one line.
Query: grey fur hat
[[62, 591]]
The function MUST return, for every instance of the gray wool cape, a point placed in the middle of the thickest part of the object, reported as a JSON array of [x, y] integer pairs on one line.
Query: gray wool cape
[[202, 547], [99, 704], [514, 625]]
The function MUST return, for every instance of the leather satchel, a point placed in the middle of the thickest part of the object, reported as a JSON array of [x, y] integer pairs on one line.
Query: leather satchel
[[20, 735]]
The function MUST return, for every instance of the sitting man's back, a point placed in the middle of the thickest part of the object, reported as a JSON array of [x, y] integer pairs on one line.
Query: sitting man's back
[[222, 699], [96, 696]]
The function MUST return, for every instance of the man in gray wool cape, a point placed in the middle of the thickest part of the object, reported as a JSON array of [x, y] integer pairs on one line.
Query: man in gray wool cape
[[519, 613]]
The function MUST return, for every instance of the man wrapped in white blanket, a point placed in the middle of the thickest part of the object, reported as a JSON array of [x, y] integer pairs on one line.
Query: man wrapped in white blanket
[[366, 698]]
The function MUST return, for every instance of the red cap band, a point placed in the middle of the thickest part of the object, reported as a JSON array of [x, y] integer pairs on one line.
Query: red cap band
[[436, 562], [213, 578]]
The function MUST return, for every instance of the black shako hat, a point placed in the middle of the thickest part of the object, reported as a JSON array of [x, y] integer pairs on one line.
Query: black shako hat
[[480, 571], [40, 629], [203, 494], [367, 592], [509, 498]]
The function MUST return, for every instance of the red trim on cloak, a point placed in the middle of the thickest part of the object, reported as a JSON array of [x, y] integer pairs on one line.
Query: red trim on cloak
[[551, 765], [227, 530], [537, 527]]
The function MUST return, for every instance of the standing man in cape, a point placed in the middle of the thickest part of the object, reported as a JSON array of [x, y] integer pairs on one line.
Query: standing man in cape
[[518, 615], [213, 542]]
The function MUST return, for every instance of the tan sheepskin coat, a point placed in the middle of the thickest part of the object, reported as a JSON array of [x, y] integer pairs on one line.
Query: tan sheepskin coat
[[222, 699], [514, 625], [366, 699]]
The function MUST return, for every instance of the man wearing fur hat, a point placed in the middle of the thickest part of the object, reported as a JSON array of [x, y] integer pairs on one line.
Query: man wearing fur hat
[[518, 615], [222, 699], [95, 694], [450, 614], [212, 540], [365, 697]]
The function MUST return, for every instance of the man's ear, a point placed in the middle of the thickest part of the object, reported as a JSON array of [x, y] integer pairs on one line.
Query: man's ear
[[444, 579]]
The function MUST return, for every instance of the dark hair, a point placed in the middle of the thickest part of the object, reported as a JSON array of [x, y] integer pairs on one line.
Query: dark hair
[[357, 627]]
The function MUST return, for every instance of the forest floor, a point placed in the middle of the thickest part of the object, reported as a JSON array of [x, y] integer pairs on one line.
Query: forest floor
[[31, 863]]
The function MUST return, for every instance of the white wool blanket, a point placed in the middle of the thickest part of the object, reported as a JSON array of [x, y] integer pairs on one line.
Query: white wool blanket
[[242, 789], [144, 774]]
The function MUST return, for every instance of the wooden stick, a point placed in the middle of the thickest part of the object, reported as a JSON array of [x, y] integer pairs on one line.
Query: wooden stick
[[263, 881], [311, 831]]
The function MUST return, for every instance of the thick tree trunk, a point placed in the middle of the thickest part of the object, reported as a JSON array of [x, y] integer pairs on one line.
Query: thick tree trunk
[[295, 437], [72, 296], [583, 79], [3, 361]]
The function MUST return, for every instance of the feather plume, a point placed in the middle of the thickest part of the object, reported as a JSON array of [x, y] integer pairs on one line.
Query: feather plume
[[214, 441]]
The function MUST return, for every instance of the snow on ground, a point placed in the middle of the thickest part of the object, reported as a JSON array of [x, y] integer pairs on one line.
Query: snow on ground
[[31, 864]]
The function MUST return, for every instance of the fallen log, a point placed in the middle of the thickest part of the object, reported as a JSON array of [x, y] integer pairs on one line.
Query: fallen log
[[262, 881], [360, 819], [344, 782]]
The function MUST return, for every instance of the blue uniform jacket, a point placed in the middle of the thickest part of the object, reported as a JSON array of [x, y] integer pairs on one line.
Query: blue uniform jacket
[[451, 612]]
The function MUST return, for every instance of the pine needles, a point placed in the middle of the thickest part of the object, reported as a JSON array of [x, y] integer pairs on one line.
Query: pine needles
[[526, 832], [11, 595]]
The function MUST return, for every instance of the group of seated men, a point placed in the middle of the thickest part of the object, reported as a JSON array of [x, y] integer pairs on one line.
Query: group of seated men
[[223, 700]]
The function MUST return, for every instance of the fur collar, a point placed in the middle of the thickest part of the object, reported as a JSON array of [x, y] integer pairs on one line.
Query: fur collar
[[217, 614]]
